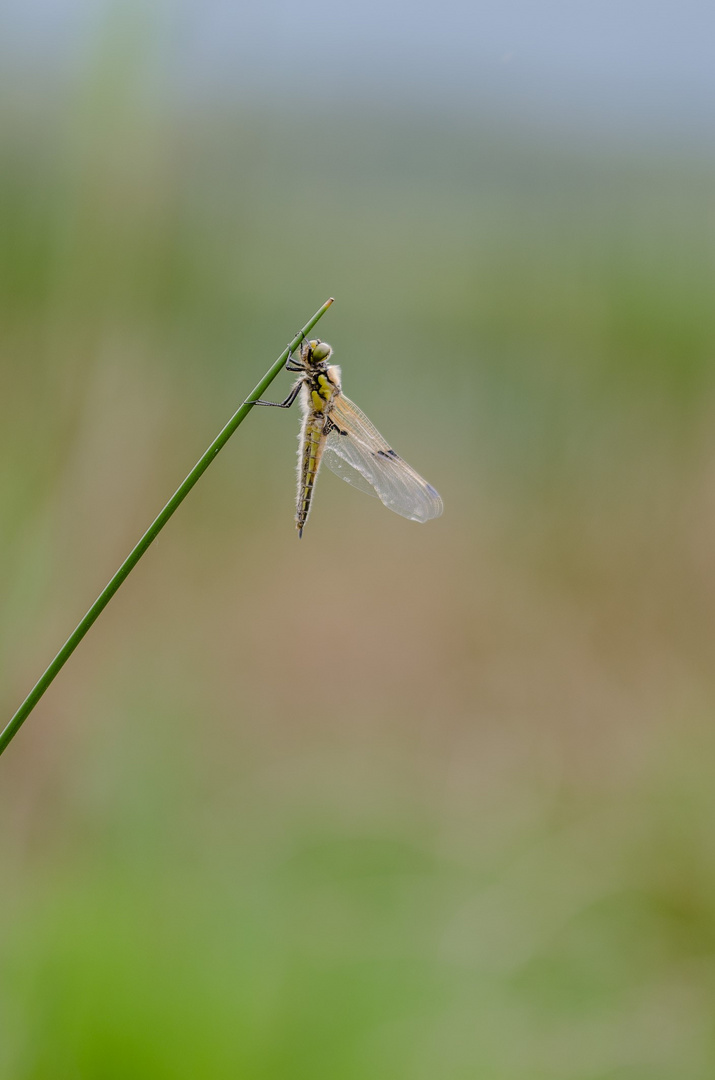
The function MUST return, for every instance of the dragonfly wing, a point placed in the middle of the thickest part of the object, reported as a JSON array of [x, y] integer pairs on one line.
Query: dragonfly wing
[[335, 460], [357, 452]]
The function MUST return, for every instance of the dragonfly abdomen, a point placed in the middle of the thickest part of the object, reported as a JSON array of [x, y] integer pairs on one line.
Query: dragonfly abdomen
[[316, 399]]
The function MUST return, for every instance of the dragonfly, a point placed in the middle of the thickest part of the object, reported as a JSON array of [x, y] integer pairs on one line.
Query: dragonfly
[[336, 432]]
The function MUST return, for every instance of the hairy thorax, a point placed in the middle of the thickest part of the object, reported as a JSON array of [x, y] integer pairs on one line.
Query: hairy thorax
[[322, 388]]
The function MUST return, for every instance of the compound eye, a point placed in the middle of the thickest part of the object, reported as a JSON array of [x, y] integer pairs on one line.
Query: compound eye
[[321, 350]]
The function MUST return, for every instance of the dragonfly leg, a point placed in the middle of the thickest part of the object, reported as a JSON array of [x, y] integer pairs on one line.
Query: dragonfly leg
[[279, 404], [292, 364]]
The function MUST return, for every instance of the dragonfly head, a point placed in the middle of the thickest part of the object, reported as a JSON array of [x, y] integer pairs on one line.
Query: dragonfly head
[[319, 352]]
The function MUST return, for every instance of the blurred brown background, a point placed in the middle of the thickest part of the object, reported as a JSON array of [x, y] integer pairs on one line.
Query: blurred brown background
[[394, 801]]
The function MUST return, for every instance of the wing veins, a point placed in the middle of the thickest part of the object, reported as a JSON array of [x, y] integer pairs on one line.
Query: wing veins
[[357, 452]]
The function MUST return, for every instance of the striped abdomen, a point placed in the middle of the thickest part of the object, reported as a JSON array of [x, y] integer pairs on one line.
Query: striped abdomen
[[316, 399]]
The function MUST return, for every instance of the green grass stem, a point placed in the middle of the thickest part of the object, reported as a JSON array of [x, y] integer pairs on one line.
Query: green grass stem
[[150, 535]]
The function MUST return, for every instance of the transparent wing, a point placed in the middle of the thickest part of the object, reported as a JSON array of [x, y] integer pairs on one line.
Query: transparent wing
[[356, 451]]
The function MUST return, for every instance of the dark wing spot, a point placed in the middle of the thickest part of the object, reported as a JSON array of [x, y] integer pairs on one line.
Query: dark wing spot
[[388, 454], [330, 425], [432, 490]]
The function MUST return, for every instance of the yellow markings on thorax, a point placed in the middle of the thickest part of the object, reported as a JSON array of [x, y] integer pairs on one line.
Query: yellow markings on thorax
[[322, 395]]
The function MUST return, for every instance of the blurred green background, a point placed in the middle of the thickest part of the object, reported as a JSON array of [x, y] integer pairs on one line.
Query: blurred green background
[[395, 801]]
